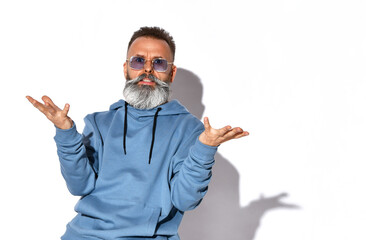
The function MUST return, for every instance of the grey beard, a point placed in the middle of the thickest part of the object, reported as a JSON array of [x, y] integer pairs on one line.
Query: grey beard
[[145, 96]]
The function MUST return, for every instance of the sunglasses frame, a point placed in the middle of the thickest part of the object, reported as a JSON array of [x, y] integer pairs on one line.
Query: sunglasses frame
[[145, 60]]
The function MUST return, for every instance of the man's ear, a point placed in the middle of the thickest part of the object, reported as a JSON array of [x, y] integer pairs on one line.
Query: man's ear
[[172, 73], [125, 69]]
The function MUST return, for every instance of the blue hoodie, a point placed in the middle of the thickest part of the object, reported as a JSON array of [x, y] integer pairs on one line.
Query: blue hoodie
[[136, 171]]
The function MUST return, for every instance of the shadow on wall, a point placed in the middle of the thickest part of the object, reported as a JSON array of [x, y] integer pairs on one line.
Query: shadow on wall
[[219, 216]]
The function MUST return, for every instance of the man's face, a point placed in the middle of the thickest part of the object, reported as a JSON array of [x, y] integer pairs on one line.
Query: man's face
[[147, 88], [150, 48]]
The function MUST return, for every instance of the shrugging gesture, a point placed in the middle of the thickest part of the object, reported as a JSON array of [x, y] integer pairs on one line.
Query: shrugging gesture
[[56, 115], [214, 137]]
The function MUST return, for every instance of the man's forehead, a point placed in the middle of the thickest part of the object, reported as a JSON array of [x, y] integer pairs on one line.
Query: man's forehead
[[144, 55], [150, 47]]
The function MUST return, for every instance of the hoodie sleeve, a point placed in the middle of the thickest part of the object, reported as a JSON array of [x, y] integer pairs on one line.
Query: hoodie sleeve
[[192, 173], [78, 157]]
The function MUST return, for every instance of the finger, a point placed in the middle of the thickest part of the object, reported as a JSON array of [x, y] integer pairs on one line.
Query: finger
[[234, 133], [66, 109], [206, 123], [36, 104], [31, 100], [240, 135], [47, 99], [243, 134], [50, 109], [224, 130]]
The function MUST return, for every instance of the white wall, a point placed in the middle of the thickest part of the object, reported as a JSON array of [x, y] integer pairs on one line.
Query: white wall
[[290, 72]]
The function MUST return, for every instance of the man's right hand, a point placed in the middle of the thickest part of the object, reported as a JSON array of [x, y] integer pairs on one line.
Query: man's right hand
[[56, 115]]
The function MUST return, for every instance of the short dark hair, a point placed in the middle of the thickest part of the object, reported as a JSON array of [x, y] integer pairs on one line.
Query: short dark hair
[[154, 32]]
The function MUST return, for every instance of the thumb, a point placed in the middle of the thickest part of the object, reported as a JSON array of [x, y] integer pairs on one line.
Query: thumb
[[66, 109], [206, 123]]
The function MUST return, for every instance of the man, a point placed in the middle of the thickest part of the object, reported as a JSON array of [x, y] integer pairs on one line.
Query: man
[[140, 165]]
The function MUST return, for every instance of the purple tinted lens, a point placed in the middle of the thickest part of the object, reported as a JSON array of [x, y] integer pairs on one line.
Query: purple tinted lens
[[160, 65], [137, 63]]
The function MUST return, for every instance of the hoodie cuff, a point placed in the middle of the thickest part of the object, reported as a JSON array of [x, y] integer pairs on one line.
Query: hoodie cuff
[[66, 135], [203, 152]]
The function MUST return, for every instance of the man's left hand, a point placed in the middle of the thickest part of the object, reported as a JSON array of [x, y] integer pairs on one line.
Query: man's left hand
[[214, 137]]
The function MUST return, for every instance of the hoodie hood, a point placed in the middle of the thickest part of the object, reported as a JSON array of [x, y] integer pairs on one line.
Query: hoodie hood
[[170, 108]]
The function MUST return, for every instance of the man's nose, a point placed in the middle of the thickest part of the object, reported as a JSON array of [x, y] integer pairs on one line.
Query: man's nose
[[148, 67]]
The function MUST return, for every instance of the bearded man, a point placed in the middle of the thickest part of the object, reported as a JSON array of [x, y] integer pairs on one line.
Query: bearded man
[[139, 166]]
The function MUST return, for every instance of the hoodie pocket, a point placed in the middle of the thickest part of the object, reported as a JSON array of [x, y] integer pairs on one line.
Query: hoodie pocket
[[119, 217]]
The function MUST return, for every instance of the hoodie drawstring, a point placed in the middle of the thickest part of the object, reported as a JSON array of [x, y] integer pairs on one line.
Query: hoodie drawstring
[[125, 129], [153, 132]]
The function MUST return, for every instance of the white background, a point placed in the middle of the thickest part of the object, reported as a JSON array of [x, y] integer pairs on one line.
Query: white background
[[290, 72]]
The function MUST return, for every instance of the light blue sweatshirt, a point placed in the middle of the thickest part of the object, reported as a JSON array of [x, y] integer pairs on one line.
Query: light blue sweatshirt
[[136, 173]]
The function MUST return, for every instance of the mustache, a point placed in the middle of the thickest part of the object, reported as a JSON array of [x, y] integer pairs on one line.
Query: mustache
[[151, 77]]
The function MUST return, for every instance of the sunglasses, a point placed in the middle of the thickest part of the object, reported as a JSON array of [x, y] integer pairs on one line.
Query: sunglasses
[[158, 64]]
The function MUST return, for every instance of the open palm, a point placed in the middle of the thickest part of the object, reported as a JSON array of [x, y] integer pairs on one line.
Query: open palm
[[56, 115], [214, 137]]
